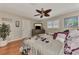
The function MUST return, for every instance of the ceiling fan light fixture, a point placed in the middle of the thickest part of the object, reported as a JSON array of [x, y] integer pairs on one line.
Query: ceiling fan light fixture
[[43, 12]]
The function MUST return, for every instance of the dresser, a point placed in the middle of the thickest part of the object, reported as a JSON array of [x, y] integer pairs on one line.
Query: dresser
[[37, 31]]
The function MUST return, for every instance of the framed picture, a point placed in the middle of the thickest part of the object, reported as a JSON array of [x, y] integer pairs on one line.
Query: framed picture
[[17, 23], [71, 22]]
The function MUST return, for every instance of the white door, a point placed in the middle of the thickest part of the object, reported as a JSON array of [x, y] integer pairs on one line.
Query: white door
[[26, 28]]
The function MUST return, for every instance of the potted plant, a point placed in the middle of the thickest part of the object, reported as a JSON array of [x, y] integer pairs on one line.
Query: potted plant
[[4, 32]]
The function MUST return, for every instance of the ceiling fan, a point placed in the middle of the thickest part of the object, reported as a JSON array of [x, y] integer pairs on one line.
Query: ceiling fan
[[43, 12]]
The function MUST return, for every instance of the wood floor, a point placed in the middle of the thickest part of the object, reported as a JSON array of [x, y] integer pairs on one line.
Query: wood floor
[[11, 49]]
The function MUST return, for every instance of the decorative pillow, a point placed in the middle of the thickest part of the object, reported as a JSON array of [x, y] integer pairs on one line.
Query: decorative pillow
[[34, 37], [66, 32], [44, 35], [61, 37], [59, 34]]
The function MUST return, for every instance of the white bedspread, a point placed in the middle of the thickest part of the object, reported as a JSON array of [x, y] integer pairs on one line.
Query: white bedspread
[[54, 47]]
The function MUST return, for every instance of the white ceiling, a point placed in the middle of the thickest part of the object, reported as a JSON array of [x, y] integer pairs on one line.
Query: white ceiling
[[28, 9]]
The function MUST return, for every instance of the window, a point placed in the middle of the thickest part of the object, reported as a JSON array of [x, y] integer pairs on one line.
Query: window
[[71, 22], [53, 24]]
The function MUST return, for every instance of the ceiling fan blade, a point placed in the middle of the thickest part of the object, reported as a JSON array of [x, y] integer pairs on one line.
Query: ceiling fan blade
[[47, 11], [37, 15], [46, 15], [39, 11], [41, 16]]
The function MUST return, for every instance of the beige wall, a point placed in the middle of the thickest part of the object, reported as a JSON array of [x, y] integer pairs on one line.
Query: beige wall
[[61, 18], [16, 32]]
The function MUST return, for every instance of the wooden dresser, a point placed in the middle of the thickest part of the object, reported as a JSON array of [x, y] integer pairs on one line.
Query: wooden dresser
[[37, 31], [12, 48]]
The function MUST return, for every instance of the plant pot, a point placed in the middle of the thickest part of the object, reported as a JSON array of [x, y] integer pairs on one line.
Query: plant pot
[[3, 43]]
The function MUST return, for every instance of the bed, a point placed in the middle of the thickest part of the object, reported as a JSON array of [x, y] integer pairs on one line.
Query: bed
[[61, 43], [39, 47]]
